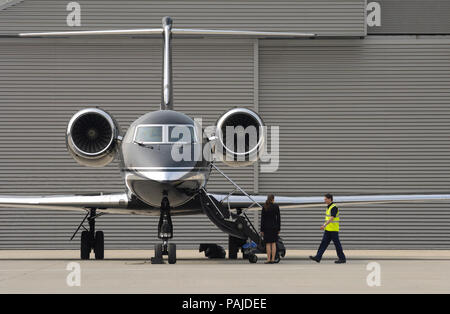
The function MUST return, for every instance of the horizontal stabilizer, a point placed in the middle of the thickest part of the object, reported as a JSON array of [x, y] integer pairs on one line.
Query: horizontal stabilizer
[[142, 31], [177, 32], [220, 32]]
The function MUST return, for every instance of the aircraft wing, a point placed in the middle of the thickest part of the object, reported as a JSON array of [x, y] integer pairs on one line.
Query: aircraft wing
[[104, 202], [242, 201], [119, 202]]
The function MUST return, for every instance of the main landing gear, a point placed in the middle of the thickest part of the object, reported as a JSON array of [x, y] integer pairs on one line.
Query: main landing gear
[[165, 233], [91, 240]]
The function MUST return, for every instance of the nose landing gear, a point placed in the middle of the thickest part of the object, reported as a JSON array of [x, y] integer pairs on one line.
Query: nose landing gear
[[165, 233]]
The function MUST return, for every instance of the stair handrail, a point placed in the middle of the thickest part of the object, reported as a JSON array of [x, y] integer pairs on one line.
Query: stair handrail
[[237, 187]]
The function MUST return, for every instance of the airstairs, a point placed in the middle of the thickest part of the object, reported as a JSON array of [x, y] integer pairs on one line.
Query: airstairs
[[235, 223]]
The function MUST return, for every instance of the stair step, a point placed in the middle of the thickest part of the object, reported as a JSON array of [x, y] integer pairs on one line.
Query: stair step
[[235, 225]]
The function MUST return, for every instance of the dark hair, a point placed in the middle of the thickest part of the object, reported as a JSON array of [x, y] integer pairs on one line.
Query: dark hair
[[269, 201], [329, 196]]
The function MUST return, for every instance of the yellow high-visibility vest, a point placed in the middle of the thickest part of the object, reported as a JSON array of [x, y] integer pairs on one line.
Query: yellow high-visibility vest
[[334, 225]]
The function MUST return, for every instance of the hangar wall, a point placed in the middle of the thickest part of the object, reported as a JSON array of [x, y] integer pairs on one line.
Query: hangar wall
[[357, 115], [412, 17], [366, 116]]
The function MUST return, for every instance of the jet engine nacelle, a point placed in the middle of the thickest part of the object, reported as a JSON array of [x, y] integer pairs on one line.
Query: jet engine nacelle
[[239, 137], [92, 137]]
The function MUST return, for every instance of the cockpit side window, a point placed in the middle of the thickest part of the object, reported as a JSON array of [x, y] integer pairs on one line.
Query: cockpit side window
[[181, 134], [149, 134]]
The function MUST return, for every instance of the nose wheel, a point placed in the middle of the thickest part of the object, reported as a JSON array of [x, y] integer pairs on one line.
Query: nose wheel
[[172, 253], [165, 233], [168, 249]]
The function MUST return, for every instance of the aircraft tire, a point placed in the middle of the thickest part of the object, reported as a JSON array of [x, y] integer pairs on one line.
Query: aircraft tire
[[172, 250], [99, 248], [158, 251], [85, 249]]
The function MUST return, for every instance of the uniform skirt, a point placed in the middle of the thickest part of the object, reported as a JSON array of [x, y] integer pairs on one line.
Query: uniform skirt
[[270, 236]]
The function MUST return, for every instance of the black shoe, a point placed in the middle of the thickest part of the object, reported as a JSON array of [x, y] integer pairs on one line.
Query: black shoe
[[340, 261], [315, 259]]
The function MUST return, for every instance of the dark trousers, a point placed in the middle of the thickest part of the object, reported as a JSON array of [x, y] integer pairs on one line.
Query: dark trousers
[[327, 237]]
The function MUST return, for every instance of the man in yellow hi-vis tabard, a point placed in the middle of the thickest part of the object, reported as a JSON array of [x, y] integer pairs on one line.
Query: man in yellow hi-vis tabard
[[331, 227]]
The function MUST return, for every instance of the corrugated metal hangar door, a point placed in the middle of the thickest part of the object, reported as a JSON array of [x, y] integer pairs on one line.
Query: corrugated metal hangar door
[[356, 117], [361, 117], [44, 82]]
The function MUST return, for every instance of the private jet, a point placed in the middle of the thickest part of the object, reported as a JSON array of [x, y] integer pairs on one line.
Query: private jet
[[155, 183]]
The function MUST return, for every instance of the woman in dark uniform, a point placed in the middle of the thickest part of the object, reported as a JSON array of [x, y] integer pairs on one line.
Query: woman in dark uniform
[[270, 227]]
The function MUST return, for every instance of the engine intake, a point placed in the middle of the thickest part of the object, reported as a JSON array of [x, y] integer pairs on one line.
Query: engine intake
[[92, 137], [240, 137]]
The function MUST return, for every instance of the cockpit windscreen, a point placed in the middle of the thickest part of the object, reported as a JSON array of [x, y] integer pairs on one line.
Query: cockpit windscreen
[[149, 134], [165, 134]]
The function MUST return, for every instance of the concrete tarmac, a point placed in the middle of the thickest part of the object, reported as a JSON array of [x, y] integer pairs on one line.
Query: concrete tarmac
[[131, 272]]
